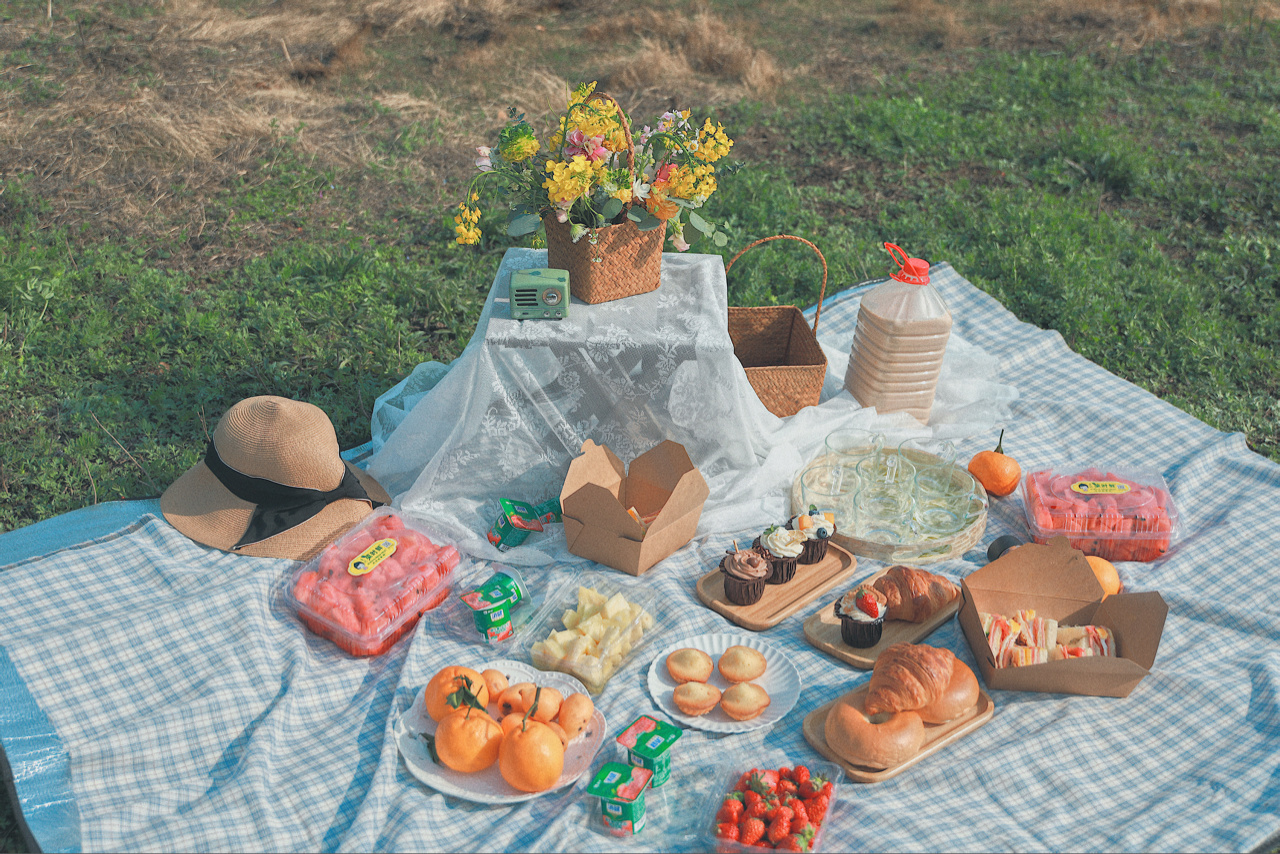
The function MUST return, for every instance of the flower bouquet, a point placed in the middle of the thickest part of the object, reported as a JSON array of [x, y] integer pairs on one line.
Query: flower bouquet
[[605, 196]]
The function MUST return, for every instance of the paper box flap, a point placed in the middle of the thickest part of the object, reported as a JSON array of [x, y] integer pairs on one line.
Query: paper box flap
[[664, 477], [596, 464], [1138, 622], [1054, 570]]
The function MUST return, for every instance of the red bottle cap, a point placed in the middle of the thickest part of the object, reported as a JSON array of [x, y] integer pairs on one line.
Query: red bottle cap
[[913, 271]]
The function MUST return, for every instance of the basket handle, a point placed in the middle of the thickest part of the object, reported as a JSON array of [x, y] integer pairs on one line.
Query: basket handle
[[626, 129], [822, 295]]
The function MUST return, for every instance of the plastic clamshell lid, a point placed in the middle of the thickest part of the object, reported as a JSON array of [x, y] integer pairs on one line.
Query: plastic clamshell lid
[[595, 673], [1058, 501], [1056, 581], [364, 608]]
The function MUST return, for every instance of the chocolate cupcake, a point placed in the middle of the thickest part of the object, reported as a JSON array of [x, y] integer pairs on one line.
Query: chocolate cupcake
[[782, 548], [744, 576], [861, 616], [817, 529]]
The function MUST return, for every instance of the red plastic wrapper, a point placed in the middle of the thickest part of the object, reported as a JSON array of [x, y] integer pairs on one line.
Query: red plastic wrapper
[[1115, 513], [368, 589]]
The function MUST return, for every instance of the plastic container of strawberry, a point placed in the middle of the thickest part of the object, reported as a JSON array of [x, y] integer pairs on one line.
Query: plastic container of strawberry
[[368, 589], [731, 778], [1119, 513]]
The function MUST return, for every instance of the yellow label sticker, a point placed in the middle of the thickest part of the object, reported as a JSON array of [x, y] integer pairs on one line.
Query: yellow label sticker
[[367, 561], [1099, 487]]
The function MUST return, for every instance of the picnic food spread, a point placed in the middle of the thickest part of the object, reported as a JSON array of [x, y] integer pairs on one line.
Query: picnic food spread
[[368, 589]]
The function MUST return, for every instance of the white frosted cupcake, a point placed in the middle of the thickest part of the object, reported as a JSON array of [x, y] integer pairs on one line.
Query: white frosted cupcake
[[817, 528], [782, 548]]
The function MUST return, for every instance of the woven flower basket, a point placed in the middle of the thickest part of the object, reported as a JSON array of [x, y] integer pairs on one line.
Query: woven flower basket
[[613, 261], [779, 351]]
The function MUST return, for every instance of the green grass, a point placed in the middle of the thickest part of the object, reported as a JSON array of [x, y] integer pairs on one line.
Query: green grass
[[1129, 203]]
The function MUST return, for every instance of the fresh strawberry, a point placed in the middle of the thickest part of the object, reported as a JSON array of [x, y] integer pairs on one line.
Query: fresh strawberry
[[727, 830], [755, 808], [744, 780], [813, 786], [750, 796], [751, 831], [801, 815], [784, 773], [780, 826], [772, 805], [800, 774], [731, 809], [764, 782], [797, 841], [867, 603], [786, 787], [817, 808]]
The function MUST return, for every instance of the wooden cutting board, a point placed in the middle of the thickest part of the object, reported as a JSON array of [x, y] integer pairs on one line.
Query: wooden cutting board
[[937, 736], [822, 631], [780, 600]]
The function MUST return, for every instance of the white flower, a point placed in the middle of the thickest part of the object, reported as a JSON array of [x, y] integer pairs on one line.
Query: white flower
[[484, 163], [576, 231], [640, 190]]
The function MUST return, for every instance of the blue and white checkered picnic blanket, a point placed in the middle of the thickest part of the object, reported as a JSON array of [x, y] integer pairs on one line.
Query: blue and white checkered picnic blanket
[[159, 695]]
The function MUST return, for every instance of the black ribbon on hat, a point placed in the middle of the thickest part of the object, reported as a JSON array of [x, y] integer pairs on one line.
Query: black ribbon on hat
[[279, 507]]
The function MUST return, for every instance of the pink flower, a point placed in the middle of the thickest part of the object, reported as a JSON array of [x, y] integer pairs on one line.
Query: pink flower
[[664, 173], [484, 163], [677, 238], [590, 147], [562, 211]]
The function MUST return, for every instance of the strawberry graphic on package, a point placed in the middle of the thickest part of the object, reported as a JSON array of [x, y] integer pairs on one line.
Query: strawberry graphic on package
[[781, 808], [1112, 513], [367, 590]]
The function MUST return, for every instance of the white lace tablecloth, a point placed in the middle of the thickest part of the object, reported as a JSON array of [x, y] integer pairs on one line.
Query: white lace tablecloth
[[507, 417]]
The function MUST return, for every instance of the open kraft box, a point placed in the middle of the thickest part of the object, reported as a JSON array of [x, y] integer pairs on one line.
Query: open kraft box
[[1057, 582], [599, 489]]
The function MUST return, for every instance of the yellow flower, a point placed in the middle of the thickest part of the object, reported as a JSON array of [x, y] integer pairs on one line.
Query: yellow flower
[[567, 181], [713, 143], [623, 195]]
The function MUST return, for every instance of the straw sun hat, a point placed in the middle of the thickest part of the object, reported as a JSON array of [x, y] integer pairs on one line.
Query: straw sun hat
[[272, 484]]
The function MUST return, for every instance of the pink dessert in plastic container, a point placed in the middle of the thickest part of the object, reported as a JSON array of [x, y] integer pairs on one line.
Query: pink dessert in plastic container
[[1115, 513], [368, 589]]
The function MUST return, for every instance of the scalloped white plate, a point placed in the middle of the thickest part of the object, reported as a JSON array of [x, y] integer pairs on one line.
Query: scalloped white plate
[[487, 786], [780, 680]]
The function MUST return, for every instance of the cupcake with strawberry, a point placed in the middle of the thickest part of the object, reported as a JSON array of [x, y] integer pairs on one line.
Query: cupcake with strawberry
[[782, 548], [861, 614], [817, 528]]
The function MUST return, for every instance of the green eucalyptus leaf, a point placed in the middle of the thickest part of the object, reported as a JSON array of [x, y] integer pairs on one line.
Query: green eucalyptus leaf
[[611, 208], [719, 239], [701, 224], [636, 215], [648, 222], [521, 224]]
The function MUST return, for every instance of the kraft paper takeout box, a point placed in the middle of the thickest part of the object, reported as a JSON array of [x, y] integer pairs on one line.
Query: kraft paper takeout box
[[599, 489], [1057, 582]]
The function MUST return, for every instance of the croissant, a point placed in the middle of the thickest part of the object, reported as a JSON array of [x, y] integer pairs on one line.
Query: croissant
[[913, 594], [908, 677]]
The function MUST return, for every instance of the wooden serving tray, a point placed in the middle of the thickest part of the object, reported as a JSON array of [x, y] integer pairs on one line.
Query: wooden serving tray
[[916, 554], [937, 736], [779, 600], [822, 631]]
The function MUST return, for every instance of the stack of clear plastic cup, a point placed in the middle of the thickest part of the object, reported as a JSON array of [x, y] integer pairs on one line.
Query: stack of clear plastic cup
[[831, 488]]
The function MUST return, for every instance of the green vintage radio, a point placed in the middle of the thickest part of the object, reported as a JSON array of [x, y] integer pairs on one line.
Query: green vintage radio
[[539, 294]]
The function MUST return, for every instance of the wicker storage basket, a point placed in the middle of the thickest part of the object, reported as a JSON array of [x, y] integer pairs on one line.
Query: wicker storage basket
[[613, 261], [779, 351]]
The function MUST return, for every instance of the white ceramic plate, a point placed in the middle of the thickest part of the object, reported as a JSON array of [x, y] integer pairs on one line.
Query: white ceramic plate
[[780, 680], [487, 786]]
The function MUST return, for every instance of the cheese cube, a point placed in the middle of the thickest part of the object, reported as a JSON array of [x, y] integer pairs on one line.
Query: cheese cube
[[570, 619]]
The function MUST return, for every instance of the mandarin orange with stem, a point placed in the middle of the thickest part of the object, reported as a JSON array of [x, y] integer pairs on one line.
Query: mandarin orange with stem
[[436, 695], [468, 740], [1107, 575], [531, 757]]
